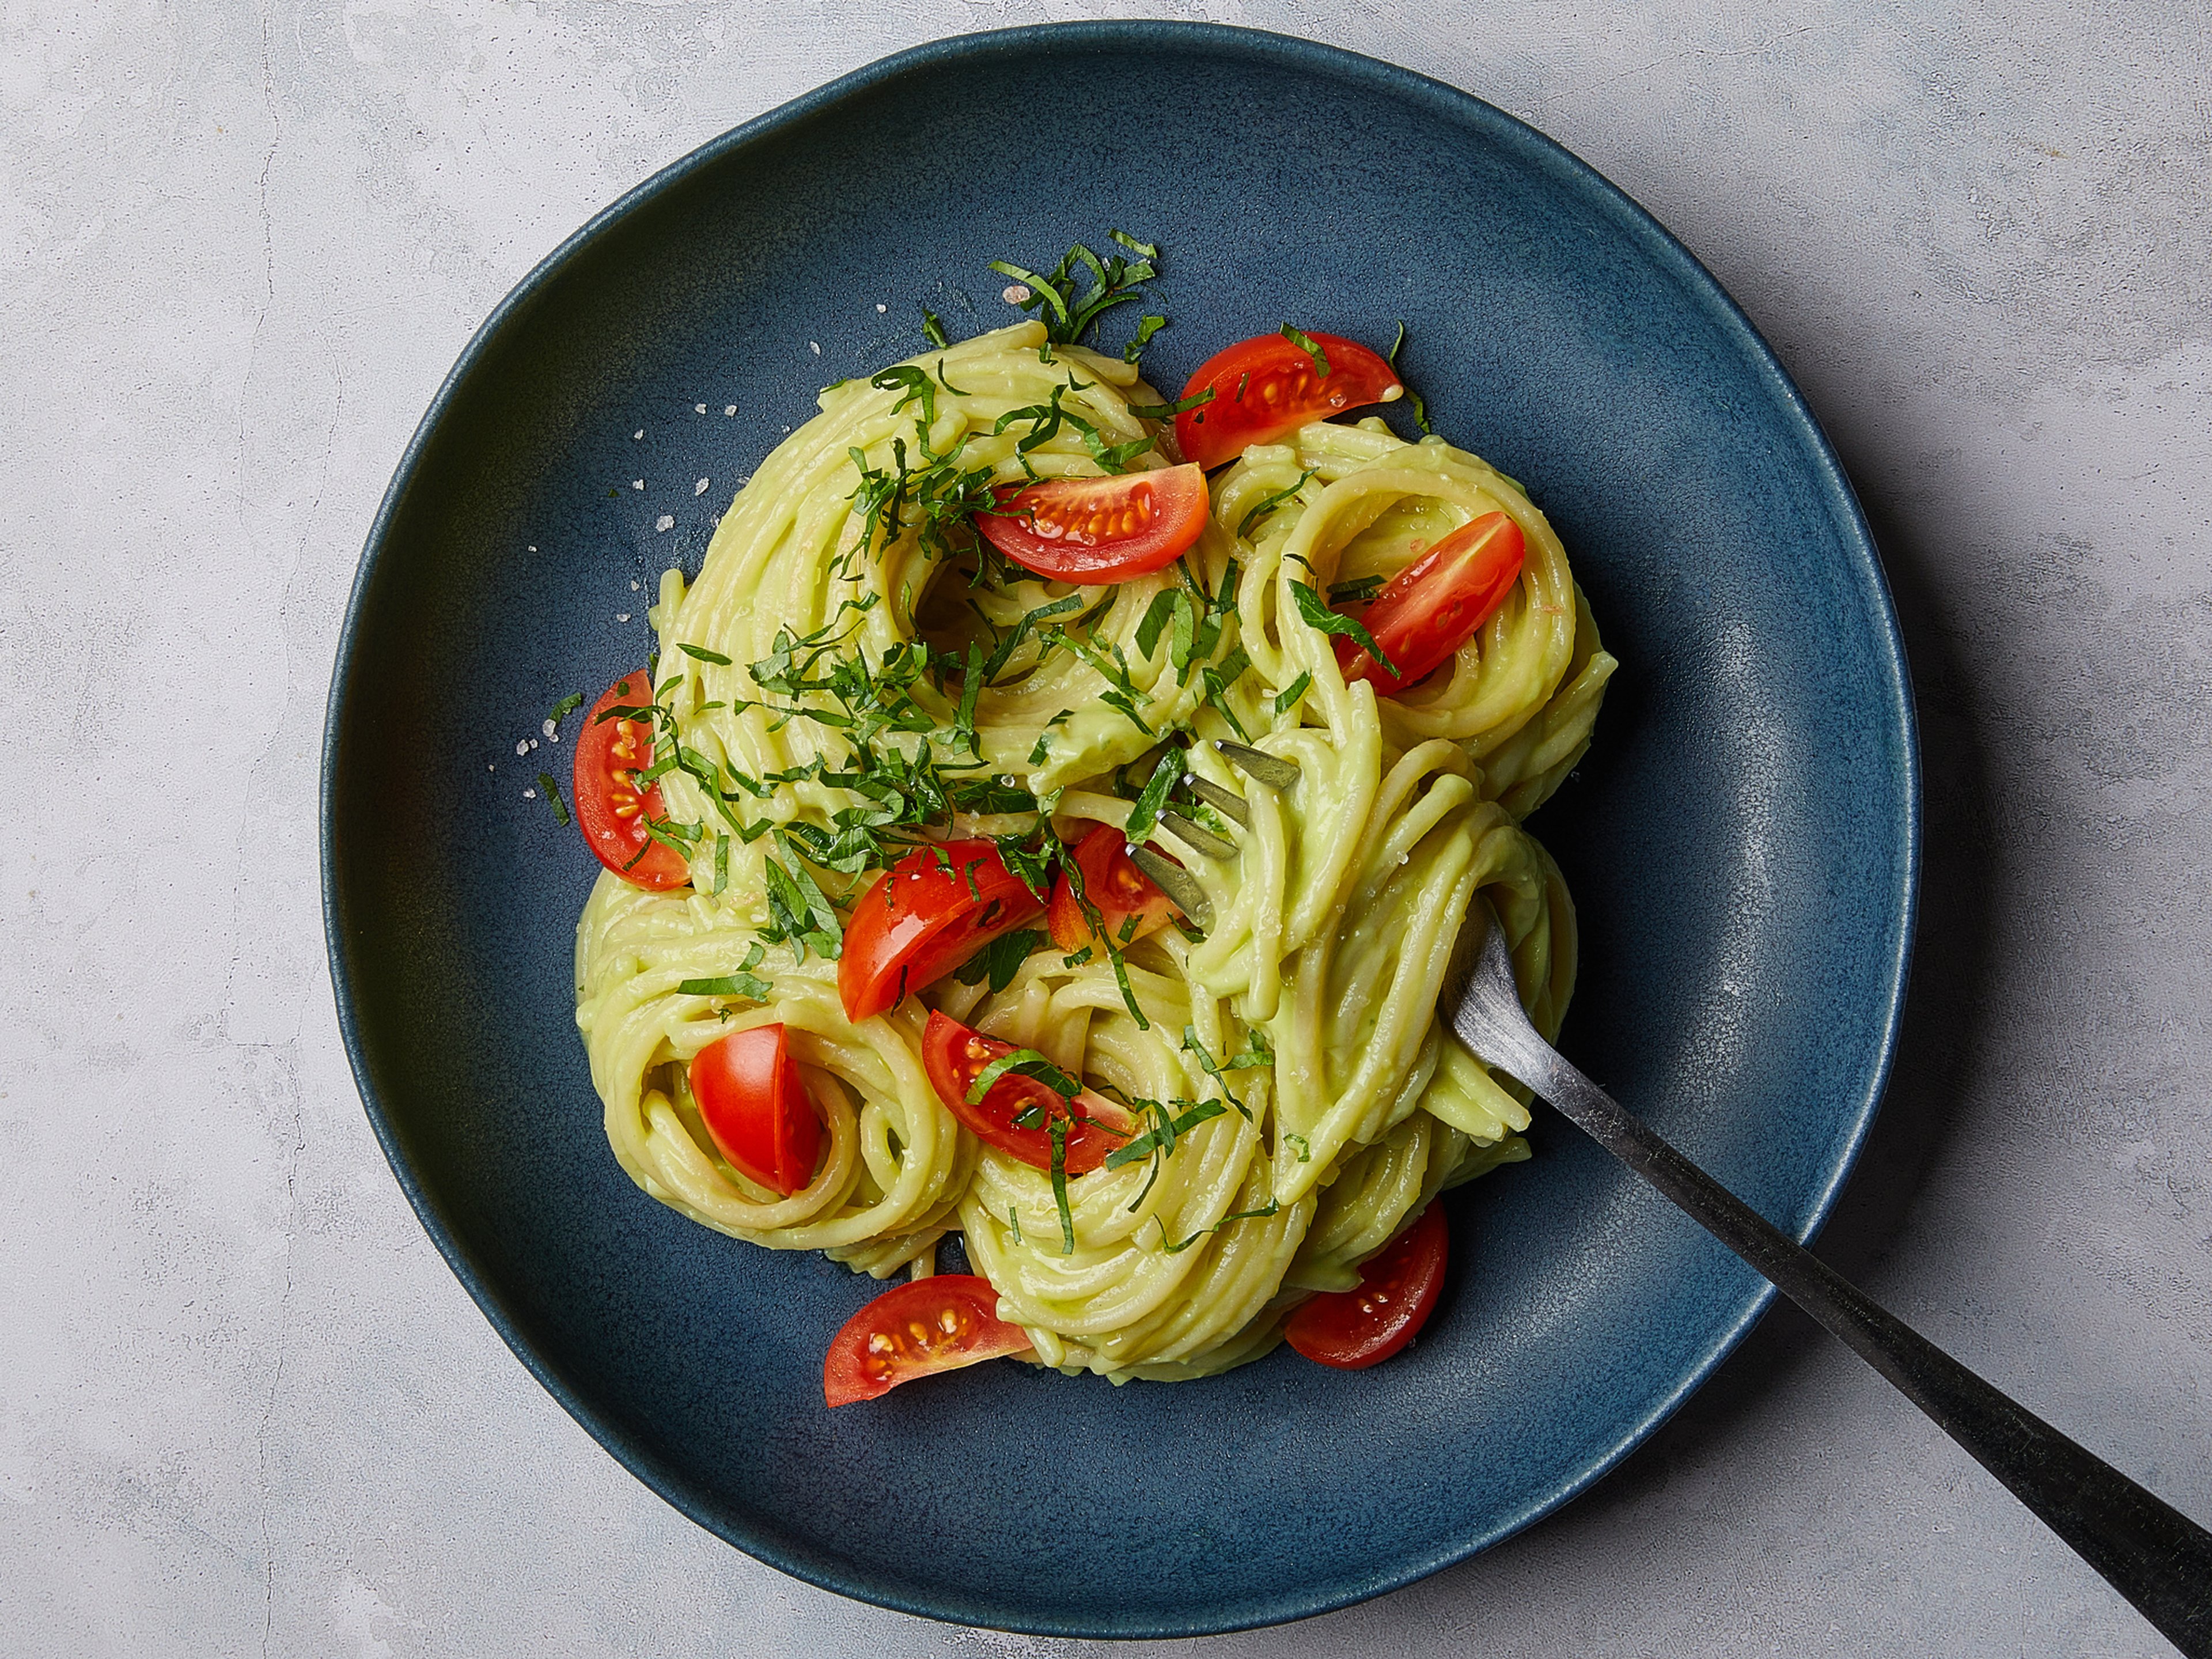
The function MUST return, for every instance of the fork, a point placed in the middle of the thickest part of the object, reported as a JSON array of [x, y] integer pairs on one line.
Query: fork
[[2149, 1551]]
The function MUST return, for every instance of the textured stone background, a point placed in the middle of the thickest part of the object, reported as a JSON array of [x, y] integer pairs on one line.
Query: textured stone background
[[243, 1406]]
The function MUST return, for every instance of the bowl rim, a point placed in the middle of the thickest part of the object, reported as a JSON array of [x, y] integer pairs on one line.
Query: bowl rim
[[1440, 101]]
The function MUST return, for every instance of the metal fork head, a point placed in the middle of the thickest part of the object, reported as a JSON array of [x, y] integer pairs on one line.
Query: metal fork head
[[1482, 998]]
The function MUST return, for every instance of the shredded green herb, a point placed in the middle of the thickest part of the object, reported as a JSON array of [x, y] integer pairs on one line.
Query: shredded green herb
[[553, 797], [1068, 315], [1146, 811], [1357, 590], [1317, 614], [750, 986], [1268, 503], [1287, 698], [1241, 1215], [1059, 1133], [932, 330], [567, 706], [1023, 1062], [999, 960], [1169, 411], [1420, 409], [1311, 347]]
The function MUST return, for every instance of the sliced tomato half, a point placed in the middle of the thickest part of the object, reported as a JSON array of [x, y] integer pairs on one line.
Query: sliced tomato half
[[1398, 1291], [1435, 604], [917, 1329], [955, 1056], [1094, 531], [610, 809], [938, 906], [1112, 882], [1270, 385], [757, 1108]]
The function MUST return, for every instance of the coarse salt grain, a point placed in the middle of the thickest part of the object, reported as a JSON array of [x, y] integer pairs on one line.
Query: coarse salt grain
[[815, 346], [665, 522], [1015, 293], [698, 409], [529, 794], [700, 489], [881, 309], [549, 728], [635, 436], [637, 484], [533, 743], [633, 587], [522, 747], [729, 409], [622, 615]]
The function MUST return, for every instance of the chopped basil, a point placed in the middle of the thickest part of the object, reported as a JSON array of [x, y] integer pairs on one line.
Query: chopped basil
[[751, 987], [1317, 614], [999, 960], [553, 797], [1420, 409], [1241, 1215], [1311, 347], [1146, 811], [1023, 1062]]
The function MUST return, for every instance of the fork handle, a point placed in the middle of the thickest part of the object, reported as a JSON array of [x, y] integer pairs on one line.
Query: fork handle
[[2149, 1551]]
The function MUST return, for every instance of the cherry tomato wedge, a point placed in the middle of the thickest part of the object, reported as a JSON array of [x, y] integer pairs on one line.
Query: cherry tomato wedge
[[1268, 384], [756, 1107], [1433, 606], [1112, 882], [1093, 531], [936, 908], [916, 1329], [1398, 1291], [955, 1055], [610, 809]]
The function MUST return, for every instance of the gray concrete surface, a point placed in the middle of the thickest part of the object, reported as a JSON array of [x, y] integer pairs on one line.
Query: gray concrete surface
[[243, 1408]]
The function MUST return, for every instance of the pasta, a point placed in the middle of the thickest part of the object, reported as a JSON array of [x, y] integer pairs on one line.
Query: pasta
[[1301, 1017]]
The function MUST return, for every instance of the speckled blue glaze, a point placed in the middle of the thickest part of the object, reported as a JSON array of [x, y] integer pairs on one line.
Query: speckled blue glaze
[[1742, 841]]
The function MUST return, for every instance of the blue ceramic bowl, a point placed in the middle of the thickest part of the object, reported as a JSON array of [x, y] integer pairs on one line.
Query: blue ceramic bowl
[[1743, 839]]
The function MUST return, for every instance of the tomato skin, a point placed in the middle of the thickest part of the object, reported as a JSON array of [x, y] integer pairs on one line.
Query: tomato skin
[[1267, 385], [923, 920], [1095, 531], [1112, 882], [955, 1053], [1398, 1291], [756, 1106], [1435, 604], [611, 810], [917, 1329]]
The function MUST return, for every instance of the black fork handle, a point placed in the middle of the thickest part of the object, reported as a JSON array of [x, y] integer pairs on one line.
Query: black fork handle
[[2148, 1550]]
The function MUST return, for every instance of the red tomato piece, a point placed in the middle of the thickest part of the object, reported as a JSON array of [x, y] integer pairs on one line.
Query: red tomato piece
[[1267, 385], [955, 1055], [610, 809], [1111, 881], [756, 1107], [1398, 1291], [937, 907], [916, 1329], [1094, 531], [1433, 606]]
